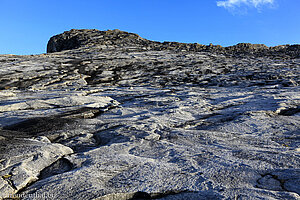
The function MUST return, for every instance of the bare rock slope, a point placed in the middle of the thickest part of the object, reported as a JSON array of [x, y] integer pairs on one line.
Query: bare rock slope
[[109, 115]]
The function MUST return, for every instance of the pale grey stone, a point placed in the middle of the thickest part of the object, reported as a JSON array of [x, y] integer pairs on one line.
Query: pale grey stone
[[110, 115]]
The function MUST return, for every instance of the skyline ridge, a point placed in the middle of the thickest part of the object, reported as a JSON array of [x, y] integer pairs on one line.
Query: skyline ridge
[[28, 25]]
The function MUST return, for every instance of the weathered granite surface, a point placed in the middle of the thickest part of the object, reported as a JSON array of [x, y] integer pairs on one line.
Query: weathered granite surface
[[110, 115]]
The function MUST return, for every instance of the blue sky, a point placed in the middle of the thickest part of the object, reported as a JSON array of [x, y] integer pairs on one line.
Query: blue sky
[[27, 25]]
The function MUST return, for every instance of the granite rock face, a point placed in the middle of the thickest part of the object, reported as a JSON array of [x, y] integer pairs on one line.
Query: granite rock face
[[77, 38], [110, 115], [90, 37]]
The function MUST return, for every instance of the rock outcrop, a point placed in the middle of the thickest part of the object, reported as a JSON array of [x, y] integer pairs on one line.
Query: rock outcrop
[[85, 37], [110, 115]]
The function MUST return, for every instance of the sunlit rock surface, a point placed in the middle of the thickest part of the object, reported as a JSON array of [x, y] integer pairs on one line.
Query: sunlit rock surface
[[110, 115]]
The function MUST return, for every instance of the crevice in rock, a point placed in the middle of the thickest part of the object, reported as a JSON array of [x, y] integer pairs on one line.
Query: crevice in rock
[[83, 113], [142, 195], [195, 122], [167, 193], [265, 182], [210, 121], [35, 126], [60, 166], [107, 135], [43, 125], [78, 147], [289, 111]]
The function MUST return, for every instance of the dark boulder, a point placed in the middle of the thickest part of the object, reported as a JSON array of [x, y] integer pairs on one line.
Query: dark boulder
[[76, 38]]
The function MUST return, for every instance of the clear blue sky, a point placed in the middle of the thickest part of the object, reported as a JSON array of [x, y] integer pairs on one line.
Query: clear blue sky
[[27, 25]]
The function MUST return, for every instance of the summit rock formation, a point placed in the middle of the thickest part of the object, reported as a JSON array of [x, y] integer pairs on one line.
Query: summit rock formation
[[110, 115], [90, 37]]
